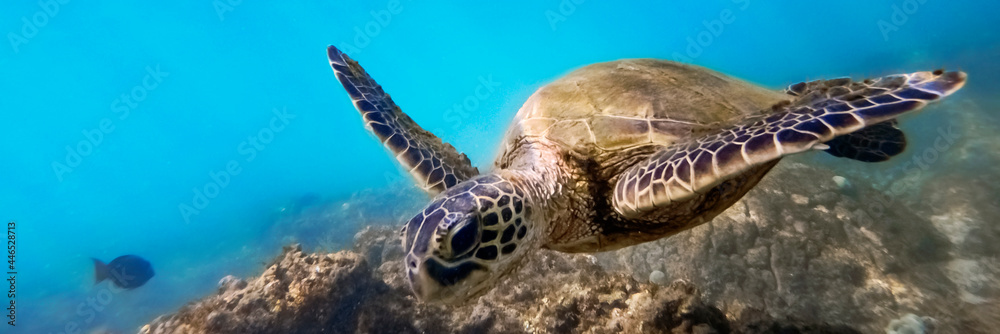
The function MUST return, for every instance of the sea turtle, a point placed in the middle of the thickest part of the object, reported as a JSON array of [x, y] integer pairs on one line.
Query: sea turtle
[[616, 154]]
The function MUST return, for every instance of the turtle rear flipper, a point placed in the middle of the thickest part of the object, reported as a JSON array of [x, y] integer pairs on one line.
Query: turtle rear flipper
[[682, 171], [434, 164], [875, 143]]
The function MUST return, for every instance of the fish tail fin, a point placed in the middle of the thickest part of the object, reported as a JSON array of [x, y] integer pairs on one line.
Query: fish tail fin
[[100, 271]]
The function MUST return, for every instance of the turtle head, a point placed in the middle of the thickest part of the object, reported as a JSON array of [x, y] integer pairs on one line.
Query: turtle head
[[467, 239]]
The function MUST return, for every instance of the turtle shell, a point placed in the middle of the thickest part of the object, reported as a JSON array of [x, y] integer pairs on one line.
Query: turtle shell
[[628, 103]]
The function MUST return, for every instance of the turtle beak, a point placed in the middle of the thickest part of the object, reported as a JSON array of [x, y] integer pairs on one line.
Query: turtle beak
[[428, 289], [437, 283]]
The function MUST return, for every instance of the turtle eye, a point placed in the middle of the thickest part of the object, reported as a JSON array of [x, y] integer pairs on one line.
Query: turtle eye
[[463, 239]]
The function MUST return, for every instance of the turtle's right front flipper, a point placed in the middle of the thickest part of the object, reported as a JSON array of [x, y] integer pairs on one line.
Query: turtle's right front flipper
[[435, 165], [687, 169]]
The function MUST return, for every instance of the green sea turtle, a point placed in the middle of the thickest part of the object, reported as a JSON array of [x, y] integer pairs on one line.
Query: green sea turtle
[[619, 153]]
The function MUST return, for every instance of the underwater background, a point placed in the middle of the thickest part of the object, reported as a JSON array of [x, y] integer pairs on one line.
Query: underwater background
[[204, 135]]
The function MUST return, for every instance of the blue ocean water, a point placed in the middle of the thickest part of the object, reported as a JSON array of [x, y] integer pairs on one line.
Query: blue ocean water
[[180, 131]]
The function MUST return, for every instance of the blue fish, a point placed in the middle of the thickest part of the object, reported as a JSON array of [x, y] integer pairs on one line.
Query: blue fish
[[126, 271]]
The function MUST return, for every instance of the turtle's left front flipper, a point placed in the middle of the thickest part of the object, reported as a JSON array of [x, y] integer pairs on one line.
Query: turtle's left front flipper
[[434, 164], [685, 169]]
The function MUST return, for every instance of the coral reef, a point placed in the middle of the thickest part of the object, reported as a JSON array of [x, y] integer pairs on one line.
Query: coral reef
[[911, 324], [815, 250], [363, 291]]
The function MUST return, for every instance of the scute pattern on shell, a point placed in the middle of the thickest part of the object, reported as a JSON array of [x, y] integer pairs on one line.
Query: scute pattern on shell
[[623, 104]]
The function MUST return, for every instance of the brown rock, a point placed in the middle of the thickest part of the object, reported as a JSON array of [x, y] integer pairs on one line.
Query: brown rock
[[854, 257], [339, 293]]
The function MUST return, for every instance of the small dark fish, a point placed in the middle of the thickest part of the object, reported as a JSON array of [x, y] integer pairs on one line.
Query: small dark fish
[[127, 271]]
